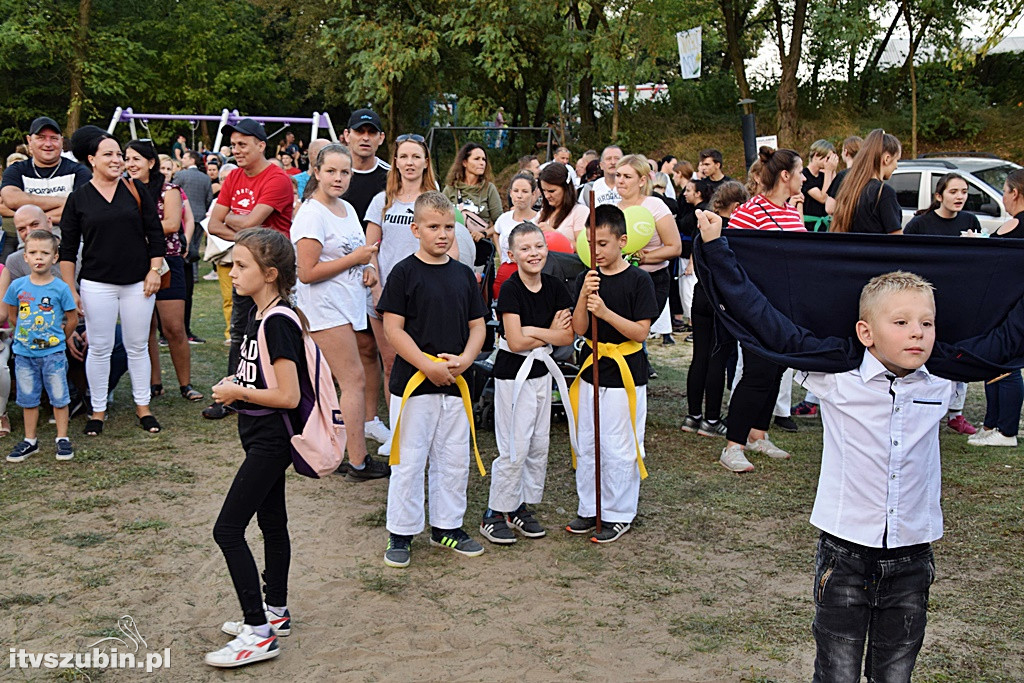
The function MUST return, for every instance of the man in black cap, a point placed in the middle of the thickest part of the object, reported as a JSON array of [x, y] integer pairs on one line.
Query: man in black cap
[[364, 135], [256, 194], [47, 178]]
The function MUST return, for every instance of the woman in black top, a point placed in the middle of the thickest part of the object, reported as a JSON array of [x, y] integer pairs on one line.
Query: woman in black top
[[122, 256], [865, 203], [945, 215]]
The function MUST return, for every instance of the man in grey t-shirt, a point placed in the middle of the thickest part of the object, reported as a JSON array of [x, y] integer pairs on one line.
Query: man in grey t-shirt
[[26, 219]]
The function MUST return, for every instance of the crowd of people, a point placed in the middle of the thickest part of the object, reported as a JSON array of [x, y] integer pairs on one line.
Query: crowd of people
[[382, 266]]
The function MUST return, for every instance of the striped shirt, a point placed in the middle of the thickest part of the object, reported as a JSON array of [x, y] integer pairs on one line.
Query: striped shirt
[[759, 213]]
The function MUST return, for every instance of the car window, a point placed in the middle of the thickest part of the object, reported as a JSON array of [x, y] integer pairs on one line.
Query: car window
[[994, 177], [907, 186], [978, 201]]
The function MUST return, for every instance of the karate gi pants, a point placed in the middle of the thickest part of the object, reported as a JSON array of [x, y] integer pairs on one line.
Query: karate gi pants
[[522, 481], [434, 435]]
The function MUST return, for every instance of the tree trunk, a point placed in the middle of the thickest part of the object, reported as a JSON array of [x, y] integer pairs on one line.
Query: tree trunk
[[909, 65], [615, 112], [542, 103], [865, 74], [77, 68], [787, 98], [733, 29], [586, 104]]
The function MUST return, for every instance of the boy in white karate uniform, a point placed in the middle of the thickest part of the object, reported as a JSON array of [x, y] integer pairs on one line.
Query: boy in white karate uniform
[[534, 309], [622, 299], [434, 317]]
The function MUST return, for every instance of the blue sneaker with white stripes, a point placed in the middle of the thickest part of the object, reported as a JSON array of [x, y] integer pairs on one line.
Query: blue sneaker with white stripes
[[457, 540]]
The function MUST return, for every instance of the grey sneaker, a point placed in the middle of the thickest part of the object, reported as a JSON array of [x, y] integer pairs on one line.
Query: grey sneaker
[[733, 459], [582, 525], [610, 532], [522, 521], [716, 428], [766, 447], [397, 554], [457, 540], [690, 424], [494, 528], [372, 469], [22, 451]]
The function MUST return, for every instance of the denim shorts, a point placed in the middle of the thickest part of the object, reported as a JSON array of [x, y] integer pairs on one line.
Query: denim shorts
[[32, 373]]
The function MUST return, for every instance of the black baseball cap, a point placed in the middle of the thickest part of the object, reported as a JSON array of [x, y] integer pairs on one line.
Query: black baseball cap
[[246, 127], [364, 117], [43, 122]]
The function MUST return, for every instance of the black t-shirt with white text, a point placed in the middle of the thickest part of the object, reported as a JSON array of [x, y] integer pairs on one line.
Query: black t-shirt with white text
[[284, 340], [931, 223], [57, 181], [437, 301], [364, 186], [631, 295], [535, 309]]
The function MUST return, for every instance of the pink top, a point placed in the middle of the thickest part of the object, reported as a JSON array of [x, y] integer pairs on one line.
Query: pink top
[[659, 210], [572, 224], [759, 213]]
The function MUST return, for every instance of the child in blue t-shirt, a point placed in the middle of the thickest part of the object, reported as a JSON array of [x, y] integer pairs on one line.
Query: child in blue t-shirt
[[44, 313]]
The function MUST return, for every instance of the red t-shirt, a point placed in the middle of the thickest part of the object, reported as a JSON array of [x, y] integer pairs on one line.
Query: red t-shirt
[[760, 214], [241, 193]]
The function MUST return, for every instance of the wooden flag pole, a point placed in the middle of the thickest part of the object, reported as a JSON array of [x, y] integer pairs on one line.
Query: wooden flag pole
[[592, 238]]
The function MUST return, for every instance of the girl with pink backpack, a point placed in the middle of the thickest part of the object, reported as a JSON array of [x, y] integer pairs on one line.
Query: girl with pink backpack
[[273, 376]]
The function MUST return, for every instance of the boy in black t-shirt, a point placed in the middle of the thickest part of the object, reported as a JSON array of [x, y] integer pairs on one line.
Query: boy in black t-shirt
[[432, 310], [534, 309], [621, 296]]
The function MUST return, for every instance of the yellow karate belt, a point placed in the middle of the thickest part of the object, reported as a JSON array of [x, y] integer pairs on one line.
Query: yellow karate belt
[[618, 353], [414, 382]]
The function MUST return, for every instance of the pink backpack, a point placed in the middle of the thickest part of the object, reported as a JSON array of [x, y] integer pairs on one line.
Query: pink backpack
[[319, 448]]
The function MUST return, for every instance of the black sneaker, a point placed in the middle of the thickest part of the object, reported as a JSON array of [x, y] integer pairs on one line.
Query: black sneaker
[[786, 424], [582, 525], [716, 428], [651, 372], [193, 339], [610, 532], [457, 540], [667, 340], [372, 469], [217, 411], [64, 449], [691, 424], [522, 521], [22, 451], [495, 530], [397, 554]]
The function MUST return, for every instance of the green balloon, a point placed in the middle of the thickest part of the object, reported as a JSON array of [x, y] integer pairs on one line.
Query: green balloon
[[583, 248], [639, 228]]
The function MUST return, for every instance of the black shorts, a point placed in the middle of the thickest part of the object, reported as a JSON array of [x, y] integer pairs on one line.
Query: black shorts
[[176, 292]]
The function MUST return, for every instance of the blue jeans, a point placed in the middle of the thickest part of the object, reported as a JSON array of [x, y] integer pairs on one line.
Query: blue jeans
[[32, 373], [1004, 400], [873, 594]]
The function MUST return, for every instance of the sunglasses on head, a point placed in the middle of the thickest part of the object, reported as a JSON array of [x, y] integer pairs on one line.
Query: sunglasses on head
[[410, 136]]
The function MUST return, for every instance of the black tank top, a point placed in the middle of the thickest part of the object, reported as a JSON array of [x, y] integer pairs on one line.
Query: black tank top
[[1017, 232]]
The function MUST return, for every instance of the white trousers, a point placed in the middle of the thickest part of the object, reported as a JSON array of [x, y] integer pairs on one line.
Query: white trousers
[[103, 303], [434, 434], [663, 323], [686, 285], [520, 479], [620, 473], [958, 396]]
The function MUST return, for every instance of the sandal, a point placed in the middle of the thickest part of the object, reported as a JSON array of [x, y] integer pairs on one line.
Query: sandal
[[93, 427], [156, 390], [189, 393], [149, 423], [5, 425]]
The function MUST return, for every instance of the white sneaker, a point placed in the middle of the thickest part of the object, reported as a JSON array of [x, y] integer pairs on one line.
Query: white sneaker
[[247, 648], [766, 447], [979, 435], [733, 459], [385, 448], [995, 438], [282, 625], [377, 430]]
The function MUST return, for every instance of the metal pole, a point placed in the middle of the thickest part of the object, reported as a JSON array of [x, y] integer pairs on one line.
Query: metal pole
[[592, 235], [316, 127], [113, 120]]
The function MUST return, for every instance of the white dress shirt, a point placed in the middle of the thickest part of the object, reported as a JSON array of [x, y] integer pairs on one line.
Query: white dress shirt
[[880, 467]]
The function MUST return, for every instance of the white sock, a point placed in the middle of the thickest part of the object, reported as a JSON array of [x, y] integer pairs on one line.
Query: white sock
[[31, 442], [279, 611], [263, 630], [61, 438]]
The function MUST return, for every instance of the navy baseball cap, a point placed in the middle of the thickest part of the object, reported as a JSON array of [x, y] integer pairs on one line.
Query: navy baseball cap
[[364, 117], [246, 127], [43, 122]]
